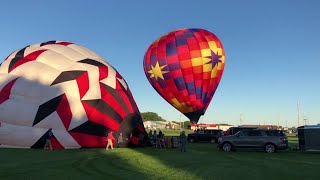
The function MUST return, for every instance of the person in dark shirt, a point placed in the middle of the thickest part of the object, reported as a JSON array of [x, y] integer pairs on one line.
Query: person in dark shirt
[[183, 141], [120, 140], [49, 134]]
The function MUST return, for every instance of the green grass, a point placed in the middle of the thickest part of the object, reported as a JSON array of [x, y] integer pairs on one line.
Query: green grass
[[201, 161]]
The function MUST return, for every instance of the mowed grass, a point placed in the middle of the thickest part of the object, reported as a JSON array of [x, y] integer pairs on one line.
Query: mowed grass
[[201, 161]]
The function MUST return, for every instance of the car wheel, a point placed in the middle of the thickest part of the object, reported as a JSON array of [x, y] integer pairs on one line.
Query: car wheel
[[213, 140], [226, 147], [270, 148], [191, 140]]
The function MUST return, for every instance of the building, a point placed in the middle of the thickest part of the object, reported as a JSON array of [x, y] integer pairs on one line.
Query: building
[[203, 126], [160, 125]]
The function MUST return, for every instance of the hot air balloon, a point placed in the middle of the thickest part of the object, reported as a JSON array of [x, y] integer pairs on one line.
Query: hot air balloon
[[185, 67], [68, 88]]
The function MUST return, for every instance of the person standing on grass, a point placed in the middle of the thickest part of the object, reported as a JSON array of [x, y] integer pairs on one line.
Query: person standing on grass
[[48, 136], [120, 140], [183, 141], [154, 138], [109, 141]]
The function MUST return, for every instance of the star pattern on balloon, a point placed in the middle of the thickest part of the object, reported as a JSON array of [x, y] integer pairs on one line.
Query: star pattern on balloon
[[214, 59], [156, 71]]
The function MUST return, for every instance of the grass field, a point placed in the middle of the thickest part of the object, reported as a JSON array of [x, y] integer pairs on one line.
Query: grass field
[[201, 161]]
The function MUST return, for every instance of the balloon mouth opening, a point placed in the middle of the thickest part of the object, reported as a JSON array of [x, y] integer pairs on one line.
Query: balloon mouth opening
[[194, 116]]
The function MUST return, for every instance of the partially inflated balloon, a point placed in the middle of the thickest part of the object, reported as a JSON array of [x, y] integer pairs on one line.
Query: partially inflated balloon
[[185, 67], [68, 88]]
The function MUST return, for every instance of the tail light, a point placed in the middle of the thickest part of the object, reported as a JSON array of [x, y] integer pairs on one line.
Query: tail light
[[284, 139]]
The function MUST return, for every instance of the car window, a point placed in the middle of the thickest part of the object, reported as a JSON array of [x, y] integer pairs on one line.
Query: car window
[[200, 132], [275, 133], [255, 133], [243, 133]]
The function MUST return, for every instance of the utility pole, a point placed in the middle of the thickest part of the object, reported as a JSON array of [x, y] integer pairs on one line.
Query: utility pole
[[240, 119], [180, 121], [286, 123], [298, 108], [305, 119]]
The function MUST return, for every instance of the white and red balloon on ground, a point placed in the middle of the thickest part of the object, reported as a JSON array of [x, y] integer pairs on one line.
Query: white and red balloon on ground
[[68, 88]]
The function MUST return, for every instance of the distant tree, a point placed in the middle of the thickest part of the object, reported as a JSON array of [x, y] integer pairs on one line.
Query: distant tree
[[318, 124], [187, 124], [151, 116]]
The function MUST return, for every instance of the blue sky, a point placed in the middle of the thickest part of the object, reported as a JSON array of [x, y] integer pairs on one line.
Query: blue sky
[[272, 48]]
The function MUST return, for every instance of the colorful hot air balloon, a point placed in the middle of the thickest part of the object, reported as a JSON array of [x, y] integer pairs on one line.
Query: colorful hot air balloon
[[68, 88], [185, 67]]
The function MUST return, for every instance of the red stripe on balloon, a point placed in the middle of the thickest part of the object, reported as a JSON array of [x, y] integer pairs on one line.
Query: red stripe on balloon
[[124, 97], [6, 91], [98, 117], [30, 57], [56, 144], [83, 84], [134, 140], [109, 99], [9, 56], [103, 72], [86, 140], [64, 43], [64, 112]]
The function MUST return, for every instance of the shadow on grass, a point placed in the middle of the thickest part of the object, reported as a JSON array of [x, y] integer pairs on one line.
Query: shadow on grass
[[201, 161]]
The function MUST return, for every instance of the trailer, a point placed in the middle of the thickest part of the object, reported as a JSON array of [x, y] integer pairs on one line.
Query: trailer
[[309, 138]]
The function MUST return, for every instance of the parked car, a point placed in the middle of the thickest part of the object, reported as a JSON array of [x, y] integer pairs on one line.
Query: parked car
[[234, 130], [205, 135], [268, 140]]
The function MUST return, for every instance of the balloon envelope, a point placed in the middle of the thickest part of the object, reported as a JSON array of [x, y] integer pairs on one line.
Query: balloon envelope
[[68, 88], [185, 67]]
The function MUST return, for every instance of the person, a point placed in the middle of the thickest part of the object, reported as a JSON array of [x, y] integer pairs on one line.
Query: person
[[161, 140], [48, 136], [141, 139], [154, 137], [160, 134], [109, 141], [150, 138], [120, 140], [183, 141]]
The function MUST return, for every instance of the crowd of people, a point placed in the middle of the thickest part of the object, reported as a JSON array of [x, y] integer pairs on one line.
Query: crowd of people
[[155, 140], [160, 141]]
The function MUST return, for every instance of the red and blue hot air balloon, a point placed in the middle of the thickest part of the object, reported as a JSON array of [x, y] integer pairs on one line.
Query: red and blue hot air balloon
[[185, 67]]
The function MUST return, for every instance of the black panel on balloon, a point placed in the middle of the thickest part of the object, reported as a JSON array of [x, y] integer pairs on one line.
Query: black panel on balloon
[[48, 42], [128, 125], [67, 76], [105, 108], [92, 62], [91, 128], [128, 94], [47, 108], [116, 95], [41, 142], [17, 57]]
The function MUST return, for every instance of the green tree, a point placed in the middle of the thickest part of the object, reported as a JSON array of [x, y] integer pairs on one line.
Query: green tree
[[187, 124], [151, 116]]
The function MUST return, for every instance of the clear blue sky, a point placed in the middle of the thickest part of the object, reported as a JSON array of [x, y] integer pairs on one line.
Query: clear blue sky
[[272, 48]]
